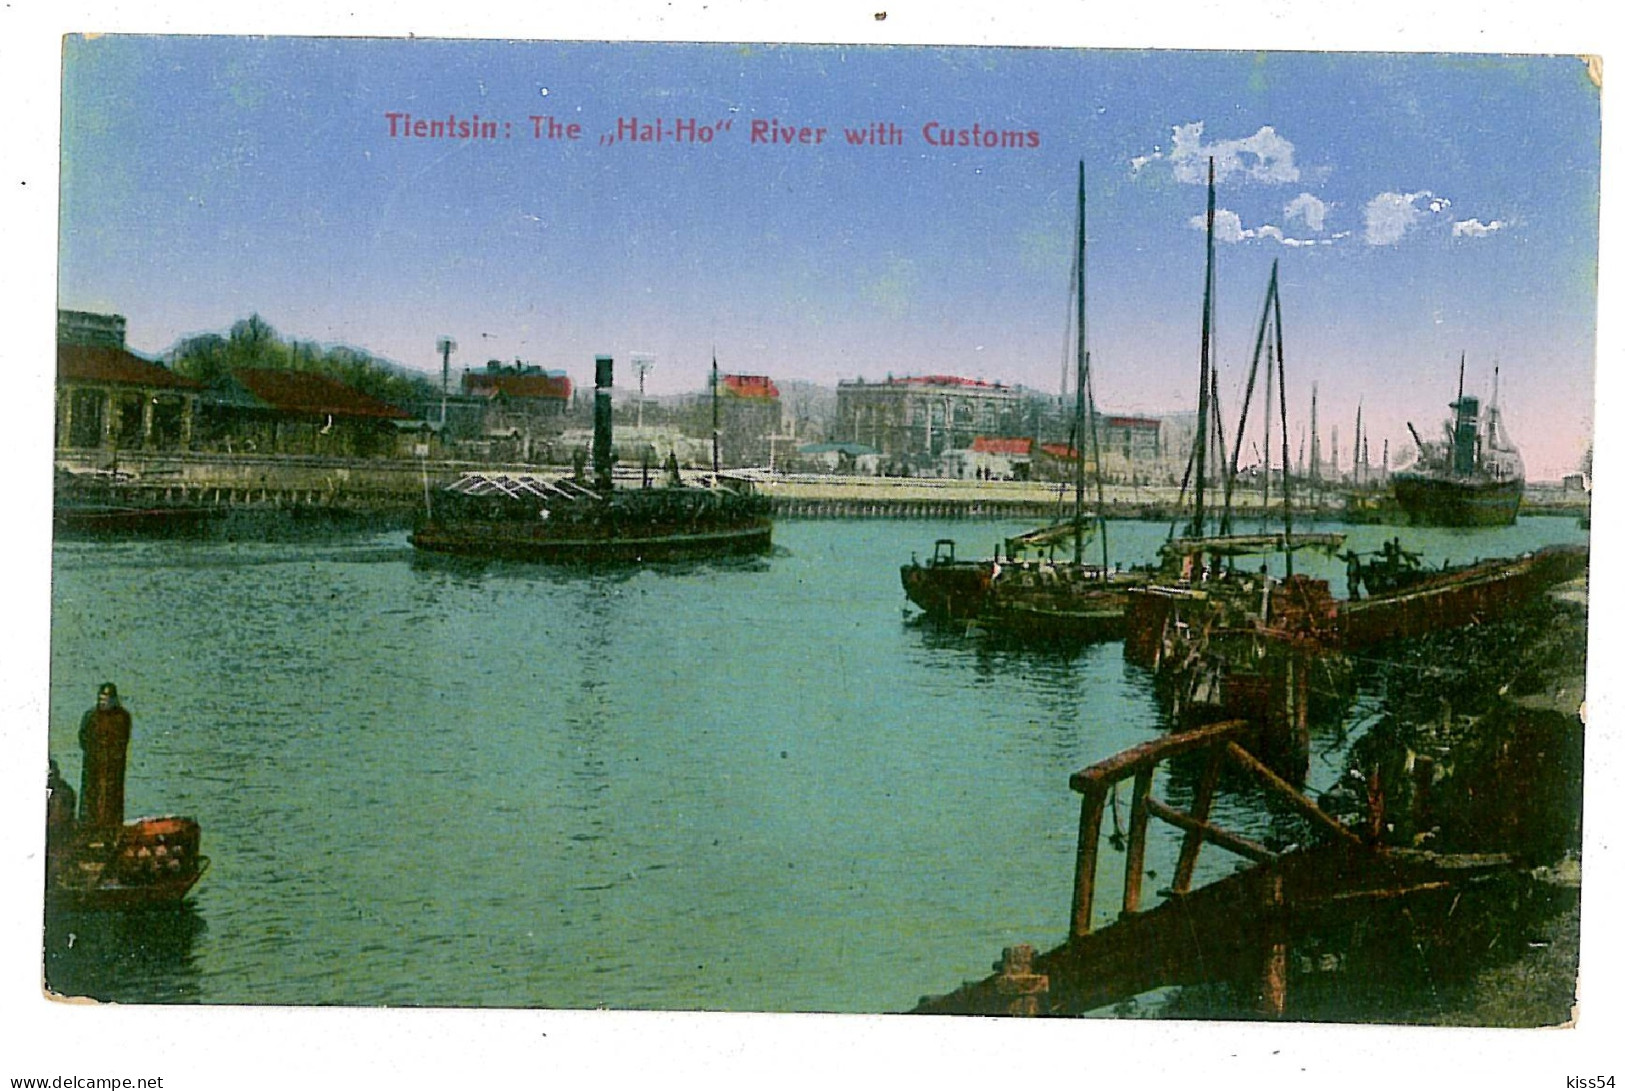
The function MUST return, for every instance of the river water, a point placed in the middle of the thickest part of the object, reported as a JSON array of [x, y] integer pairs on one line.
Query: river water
[[748, 785]]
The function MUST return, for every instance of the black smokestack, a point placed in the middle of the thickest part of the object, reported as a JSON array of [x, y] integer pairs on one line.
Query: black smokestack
[[603, 431]]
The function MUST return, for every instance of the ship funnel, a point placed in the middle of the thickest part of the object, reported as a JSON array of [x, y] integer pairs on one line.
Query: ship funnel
[[1464, 455], [603, 431]]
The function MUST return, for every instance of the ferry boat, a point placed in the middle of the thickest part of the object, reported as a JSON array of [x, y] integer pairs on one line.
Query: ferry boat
[[528, 517]]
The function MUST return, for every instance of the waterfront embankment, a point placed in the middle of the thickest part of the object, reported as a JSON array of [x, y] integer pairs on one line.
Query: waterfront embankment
[[396, 488]]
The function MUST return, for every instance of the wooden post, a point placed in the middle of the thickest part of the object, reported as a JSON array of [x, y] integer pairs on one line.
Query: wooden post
[[1300, 712], [1422, 808], [1017, 981], [1272, 993], [1134, 865], [1083, 881], [1296, 799], [1201, 805]]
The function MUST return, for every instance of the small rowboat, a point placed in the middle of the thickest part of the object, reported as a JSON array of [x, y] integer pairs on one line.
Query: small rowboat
[[148, 862]]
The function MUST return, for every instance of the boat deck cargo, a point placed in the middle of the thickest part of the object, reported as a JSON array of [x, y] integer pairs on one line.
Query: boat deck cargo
[[523, 517], [148, 862]]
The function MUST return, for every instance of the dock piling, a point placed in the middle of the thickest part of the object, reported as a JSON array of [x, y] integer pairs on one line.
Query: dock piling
[[1017, 982]]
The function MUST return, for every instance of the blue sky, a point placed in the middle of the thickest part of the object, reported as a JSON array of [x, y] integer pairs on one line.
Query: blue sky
[[1421, 206]]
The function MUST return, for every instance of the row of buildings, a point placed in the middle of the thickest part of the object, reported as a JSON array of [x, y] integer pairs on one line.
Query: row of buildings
[[111, 399], [944, 425]]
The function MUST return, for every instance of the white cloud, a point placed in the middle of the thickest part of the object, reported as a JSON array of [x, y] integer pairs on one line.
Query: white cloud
[[1227, 227], [1308, 208], [1473, 229], [1388, 216], [1266, 156]]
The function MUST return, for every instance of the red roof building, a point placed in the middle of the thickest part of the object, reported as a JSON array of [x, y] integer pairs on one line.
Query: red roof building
[[1138, 424], [749, 386], [946, 380], [108, 397], [1014, 447], [103, 365], [303, 393], [509, 384], [272, 411]]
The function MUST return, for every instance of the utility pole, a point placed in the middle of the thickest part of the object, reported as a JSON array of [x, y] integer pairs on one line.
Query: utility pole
[[642, 363], [445, 346]]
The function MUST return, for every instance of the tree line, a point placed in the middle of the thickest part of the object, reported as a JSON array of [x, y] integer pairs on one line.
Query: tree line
[[253, 343]]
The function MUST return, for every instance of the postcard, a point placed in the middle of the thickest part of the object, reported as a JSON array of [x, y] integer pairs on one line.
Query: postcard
[[549, 526]]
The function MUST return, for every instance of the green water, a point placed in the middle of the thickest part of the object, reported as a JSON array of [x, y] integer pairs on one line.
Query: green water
[[752, 785]]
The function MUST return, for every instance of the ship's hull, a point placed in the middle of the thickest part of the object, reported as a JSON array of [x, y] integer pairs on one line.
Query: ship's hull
[[1048, 602], [1159, 616], [952, 591], [1446, 502], [110, 519], [1463, 596], [541, 543], [1083, 617]]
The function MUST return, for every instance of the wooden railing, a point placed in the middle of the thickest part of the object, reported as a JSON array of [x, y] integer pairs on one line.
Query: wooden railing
[[1220, 742]]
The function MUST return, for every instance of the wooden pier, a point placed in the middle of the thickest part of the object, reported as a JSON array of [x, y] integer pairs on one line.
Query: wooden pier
[[1236, 929]]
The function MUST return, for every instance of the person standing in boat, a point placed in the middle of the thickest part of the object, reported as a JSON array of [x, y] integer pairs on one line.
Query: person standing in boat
[[61, 805], [104, 737], [61, 821]]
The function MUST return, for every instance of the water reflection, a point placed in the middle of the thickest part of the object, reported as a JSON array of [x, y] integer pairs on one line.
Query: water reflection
[[131, 956]]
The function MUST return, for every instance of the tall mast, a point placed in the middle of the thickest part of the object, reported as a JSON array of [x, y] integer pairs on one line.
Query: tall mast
[[1247, 403], [1100, 484], [1269, 390], [1314, 434], [1286, 469], [1078, 422], [1359, 433], [1494, 416], [1198, 518]]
